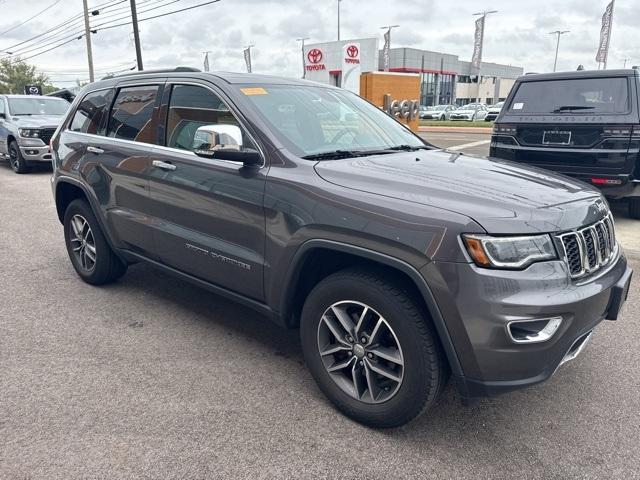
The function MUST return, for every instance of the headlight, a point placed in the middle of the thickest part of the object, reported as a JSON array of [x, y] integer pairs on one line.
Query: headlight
[[29, 132], [509, 252]]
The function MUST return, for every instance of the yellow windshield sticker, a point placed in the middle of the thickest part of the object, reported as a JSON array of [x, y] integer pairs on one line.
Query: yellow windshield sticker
[[254, 91]]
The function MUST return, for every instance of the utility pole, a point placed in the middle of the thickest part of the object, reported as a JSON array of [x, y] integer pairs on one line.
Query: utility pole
[[484, 23], [558, 33], [136, 33], [304, 70], [87, 37], [339, 19]]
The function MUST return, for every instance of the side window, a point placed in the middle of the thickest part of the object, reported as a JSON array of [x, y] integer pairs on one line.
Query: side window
[[198, 118], [90, 115], [134, 115]]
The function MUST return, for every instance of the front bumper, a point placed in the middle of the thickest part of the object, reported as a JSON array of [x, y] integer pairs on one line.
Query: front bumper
[[36, 154], [468, 118], [482, 302]]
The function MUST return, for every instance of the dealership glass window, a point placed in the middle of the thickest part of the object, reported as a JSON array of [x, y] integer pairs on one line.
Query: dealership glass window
[[192, 107], [90, 115], [134, 115], [436, 89]]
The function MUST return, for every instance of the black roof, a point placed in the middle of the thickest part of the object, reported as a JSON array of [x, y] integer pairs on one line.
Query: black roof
[[579, 74]]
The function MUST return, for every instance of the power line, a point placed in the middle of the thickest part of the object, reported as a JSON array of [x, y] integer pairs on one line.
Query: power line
[[31, 18], [57, 37], [79, 36]]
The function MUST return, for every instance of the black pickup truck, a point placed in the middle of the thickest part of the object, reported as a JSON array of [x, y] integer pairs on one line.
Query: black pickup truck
[[585, 124]]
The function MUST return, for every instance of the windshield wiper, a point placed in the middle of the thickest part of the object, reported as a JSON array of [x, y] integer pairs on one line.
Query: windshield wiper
[[409, 148], [337, 154], [565, 108]]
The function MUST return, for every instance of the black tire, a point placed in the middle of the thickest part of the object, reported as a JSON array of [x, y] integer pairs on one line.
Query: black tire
[[634, 208], [107, 267], [425, 368], [16, 161]]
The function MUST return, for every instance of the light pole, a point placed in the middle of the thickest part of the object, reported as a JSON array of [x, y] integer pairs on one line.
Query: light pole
[[482, 14], [339, 19], [304, 71], [558, 33], [624, 65]]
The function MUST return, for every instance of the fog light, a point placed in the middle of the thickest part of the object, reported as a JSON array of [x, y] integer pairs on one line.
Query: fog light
[[533, 331]]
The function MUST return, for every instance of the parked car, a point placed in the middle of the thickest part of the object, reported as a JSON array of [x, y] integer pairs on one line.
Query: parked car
[[27, 123], [438, 112], [493, 112], [584, 124], [470, 112], [400, 263]]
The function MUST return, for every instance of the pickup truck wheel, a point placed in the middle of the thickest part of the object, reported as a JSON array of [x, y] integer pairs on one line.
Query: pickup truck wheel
[[18, 164], [634, 208], [371, 349], [90, 254]]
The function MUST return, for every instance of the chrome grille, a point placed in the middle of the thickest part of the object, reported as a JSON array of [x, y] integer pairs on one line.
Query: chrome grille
[[589, 249]]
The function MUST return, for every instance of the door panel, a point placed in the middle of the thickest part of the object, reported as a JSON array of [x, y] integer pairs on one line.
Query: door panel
[[123, 156], [208, 214], [208, 219]]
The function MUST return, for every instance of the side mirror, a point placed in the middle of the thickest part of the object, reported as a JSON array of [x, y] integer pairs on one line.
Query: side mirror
[[224, 142]]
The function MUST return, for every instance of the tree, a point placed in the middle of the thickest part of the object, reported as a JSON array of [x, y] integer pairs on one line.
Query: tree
[[15, 74]]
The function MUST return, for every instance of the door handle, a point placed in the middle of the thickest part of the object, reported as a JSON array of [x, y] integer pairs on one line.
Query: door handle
[[95, 150], [163, 165]]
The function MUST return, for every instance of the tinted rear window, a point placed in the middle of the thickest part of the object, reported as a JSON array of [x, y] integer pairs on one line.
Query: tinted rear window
[[576, 96], [134, 115]]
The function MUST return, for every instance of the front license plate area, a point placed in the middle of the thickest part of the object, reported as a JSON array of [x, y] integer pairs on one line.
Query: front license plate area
[[556, 138]]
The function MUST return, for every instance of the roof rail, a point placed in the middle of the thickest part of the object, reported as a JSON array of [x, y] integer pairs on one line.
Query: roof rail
[[161, 70]]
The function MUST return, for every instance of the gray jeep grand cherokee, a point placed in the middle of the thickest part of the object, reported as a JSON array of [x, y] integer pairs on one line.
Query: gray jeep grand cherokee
[[402, 264]]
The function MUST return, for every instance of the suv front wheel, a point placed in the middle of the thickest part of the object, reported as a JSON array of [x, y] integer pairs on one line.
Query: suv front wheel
[[90, 254], [371, 348]]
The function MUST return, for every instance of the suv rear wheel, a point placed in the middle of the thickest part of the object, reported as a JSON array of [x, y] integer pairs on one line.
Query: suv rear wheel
[[90, 254], [18, 164], [371, 349], [634, 207]]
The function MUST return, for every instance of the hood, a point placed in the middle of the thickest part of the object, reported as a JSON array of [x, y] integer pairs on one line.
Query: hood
[[495, 109], [465, 111], [37, 121], [503, 197]]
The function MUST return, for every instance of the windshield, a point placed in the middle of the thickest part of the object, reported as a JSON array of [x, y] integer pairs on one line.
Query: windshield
[[579, 95], [440, 107], [312, 120], [37, 106], [471, 106], [498, 105]]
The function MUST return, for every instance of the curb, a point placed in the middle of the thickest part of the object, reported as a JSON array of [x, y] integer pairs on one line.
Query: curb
[[472, 130]]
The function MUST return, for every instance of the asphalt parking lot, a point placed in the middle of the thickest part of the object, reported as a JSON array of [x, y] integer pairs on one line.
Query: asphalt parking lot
[[154, 378]]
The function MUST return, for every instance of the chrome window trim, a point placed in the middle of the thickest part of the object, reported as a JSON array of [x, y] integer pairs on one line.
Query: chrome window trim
[[171, 149]]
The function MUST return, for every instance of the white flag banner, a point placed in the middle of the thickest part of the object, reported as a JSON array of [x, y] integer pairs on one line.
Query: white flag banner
[[247, 59], [476, 59], [206, 62], [386, 51], [605, 34]]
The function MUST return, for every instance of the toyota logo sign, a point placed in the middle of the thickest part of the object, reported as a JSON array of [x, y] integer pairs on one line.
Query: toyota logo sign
[[314, 56], [352, 51]]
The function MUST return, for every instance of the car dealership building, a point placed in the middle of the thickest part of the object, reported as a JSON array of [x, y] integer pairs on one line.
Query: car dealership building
[[444, 77]]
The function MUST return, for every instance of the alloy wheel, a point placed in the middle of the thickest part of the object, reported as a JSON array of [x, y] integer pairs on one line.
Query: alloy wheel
[[82, 242], [13, 159], [360, 351]]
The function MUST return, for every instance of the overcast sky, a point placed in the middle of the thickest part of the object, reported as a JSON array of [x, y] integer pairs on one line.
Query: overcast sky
[[516, 35]]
